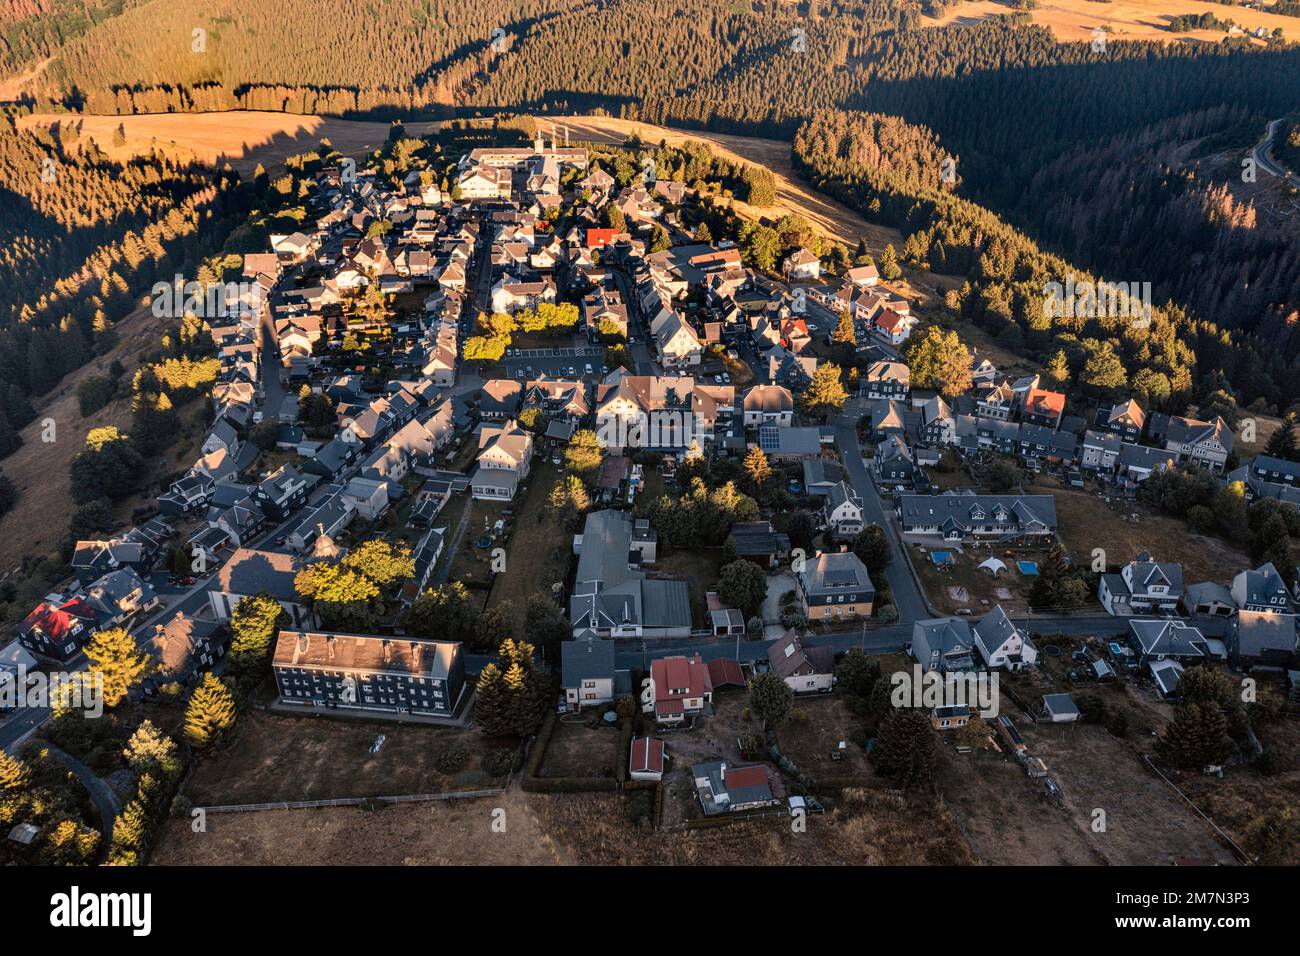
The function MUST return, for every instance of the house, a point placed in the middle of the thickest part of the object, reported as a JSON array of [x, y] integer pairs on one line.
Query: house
[[1001, 644], [58, 629], [612, 595], [1060, 708], [1100, 451], [842, 512], [1205, 444], [499, 398], [1261, 590], [1261, 637], [1166, 675], [181, 649], [119, 595], [944, 645], [1207, 602], [801, 264], [369, 672], [1143, 586], [589, 675], [676, 342], [504, 458], [895, 326], [368, 497], [768, 405], [1168, 638], [833, 586], [950, 717], [679, 688], [1137, 462], [759, 542], [1043, 407], [887, 380], [805, 670], [1126, 419], [646, 760], [863, 276], [248, 572], [282, 492], [895, 468], [957, 517], [727, 789], [790, 444]]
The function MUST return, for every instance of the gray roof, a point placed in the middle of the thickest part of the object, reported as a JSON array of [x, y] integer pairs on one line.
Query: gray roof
[[835, 572], [586, 660], [1060, 704], [964, 510], [1168, 638], [1255, 633]]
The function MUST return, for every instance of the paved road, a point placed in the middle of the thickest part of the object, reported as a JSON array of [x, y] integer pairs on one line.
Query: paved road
[[106, 802], [1264, 160], [908, 598]]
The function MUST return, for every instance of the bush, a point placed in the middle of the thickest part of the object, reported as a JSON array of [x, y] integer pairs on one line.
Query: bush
[[498, 763], [451, 760]]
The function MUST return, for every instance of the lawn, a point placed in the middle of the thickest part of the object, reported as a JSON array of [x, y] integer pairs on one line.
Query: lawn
[[815, 727], [276, 757], [583, 748], [539, 549], [1086, 521]]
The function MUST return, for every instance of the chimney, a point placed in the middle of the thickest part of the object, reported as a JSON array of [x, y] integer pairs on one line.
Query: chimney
[[388, 653], [304, 641], [329, 646], [417, 651]]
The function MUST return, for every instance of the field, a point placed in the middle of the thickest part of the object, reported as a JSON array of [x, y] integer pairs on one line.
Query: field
[[243, 138], [277, 757], [866, 828], [832, 218], [1087, 522], [1127, 19], [963, 585], [578, 749], [814, 729]]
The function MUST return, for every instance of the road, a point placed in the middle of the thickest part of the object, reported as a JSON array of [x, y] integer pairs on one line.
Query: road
[[908, 598], [1264, 160]]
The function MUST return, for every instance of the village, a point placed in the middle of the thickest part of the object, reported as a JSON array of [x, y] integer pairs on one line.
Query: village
[[714, 484]]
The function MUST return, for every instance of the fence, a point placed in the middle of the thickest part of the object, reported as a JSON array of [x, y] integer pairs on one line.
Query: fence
[[352, 801]]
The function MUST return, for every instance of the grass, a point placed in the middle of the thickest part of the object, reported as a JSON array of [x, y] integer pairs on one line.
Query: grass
[[539, 548], [276, 757], [815, 727], [1086, 522], [584, 748], [1072, 20], [245, 138], [981, 587]]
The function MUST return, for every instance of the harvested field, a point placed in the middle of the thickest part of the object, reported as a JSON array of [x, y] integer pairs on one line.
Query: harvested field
[[1126, 19]]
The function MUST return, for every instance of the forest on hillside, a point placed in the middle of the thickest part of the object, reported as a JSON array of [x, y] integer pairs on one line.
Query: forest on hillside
[[1093, 155], [81, 238]]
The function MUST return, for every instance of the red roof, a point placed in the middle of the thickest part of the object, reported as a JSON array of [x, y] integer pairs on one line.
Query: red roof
[[597, 238], [1042, 401], [725, 671], [679, 677], [647, 755], [889, 320], [668, 708], [738, 777], [57, 623]]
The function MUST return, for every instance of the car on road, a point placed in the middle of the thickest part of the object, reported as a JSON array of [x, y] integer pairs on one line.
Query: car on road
[[185, 580], [589, 368]]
